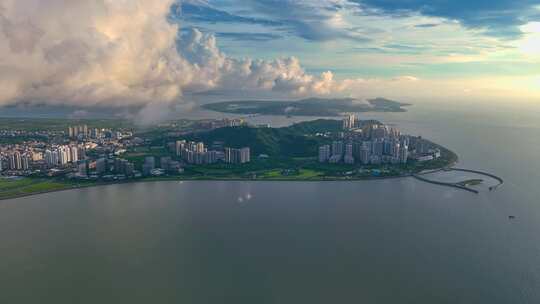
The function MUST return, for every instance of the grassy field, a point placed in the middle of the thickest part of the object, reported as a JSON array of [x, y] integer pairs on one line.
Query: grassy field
[[25, 186], [283, 174]]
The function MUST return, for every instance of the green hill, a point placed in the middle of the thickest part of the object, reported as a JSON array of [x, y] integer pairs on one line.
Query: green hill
[[298, 140]]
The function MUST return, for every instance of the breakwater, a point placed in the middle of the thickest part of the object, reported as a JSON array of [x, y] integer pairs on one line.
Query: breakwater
[[422, 177], [495, 177], [453, 185]]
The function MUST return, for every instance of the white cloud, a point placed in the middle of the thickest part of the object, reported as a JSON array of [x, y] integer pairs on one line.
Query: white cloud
[[123, 52], [88, 52]]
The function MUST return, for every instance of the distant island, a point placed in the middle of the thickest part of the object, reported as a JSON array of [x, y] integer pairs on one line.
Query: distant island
[[307, 107]]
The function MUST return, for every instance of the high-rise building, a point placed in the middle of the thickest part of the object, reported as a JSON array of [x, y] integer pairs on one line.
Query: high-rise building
[[349, 159], [81, 153], [324, 153], [74, 154], [211, 157], [357, 149], [349, 122], [228, 155], [180, 145], [122, 166], [337, 148], [15, 161], [101, 166], [82, 168], [147, 169], [25, 161], [118, 166], [36, 156], [365, 156], [199, 147], [164, 162], [396, 147], [129, 169], [63, 155], [237, 156], [404, 154], [349, 149], [387, 147], [11, 161], [378, 131], [245, 155], [378, 148], [52, 158], [150, 161], [94, 133]]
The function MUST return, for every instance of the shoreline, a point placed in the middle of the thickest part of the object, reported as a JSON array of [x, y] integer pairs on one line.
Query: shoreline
[[141, 181], [184, 179]]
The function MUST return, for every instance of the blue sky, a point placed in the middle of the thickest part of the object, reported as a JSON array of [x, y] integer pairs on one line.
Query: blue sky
[[445, 39]]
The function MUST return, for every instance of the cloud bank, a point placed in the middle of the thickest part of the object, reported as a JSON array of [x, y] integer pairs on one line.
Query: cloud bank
[[125, 53]]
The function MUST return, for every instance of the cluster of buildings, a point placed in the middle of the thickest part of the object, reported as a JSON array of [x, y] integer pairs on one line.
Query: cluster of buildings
[[197, 153], [82, 132], [63, 155], [237, 156], [25, 159], [16, 161], [166, 165], [220, 123], [370, 142], [76, 131], [384, 150], [98, 153]]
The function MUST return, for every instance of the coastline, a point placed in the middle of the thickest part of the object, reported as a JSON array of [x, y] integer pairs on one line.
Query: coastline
[[179, 179], [183, 179], [452, 161]]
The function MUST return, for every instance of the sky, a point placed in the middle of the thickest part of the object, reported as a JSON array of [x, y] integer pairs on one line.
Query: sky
[[162, 53], [460, 45]]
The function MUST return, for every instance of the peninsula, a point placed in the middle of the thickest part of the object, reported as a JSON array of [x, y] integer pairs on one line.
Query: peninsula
[[35, 158]]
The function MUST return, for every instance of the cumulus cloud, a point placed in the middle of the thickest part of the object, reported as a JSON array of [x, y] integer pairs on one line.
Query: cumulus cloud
[[124, 53], [88, 52]]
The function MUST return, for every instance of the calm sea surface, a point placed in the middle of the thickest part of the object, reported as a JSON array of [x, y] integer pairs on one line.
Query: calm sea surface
[[391, 241]]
